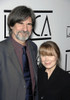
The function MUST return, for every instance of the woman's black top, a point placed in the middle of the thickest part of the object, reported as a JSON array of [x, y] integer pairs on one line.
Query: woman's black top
[[57, 87]]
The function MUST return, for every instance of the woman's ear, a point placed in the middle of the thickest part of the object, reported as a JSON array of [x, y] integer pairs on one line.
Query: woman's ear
[[11, 27]]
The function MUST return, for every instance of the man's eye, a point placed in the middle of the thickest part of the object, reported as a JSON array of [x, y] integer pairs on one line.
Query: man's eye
[[30, 24], [21, 23]]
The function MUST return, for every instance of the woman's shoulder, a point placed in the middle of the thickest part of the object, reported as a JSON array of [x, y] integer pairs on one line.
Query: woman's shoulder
[[63, 73]]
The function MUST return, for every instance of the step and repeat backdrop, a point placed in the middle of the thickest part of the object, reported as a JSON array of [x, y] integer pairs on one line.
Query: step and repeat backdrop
[[52, 23]]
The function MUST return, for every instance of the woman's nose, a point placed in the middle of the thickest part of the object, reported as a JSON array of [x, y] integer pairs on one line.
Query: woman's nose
[[47, 58]]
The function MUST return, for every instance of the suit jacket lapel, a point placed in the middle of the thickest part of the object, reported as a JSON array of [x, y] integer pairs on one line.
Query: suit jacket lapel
[[32, 63], [13, 57]]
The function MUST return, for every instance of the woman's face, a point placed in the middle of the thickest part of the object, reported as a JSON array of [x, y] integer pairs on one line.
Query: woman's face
[[49, 61]]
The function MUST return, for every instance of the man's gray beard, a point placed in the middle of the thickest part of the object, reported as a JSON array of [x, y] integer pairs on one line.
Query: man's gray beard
[[23, 39]]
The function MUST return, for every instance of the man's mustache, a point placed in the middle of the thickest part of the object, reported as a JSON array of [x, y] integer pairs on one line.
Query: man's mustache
[[24, 32]]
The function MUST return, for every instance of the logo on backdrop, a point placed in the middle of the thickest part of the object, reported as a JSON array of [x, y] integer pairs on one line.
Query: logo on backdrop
[[43, 27], [68, 31], [67, 52], [67, 60]]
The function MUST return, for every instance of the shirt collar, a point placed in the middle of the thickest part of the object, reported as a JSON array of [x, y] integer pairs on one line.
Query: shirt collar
[[16, 44]]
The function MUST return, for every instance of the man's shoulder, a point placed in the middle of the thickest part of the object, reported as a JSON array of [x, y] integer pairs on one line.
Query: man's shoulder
[[5, 42], [30, 42]]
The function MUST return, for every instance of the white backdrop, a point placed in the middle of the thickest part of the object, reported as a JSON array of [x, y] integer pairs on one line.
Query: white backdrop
[[57, 26]]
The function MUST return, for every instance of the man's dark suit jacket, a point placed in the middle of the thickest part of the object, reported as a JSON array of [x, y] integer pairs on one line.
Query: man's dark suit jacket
[[12, 84], [57, 87]]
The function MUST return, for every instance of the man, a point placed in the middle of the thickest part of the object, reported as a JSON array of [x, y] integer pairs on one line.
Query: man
[[14, 86]]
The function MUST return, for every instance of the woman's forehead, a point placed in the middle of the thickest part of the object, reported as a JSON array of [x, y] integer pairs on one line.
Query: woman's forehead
[[48, 51]]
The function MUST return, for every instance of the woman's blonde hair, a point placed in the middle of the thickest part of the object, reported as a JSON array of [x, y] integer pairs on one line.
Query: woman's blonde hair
[[49, 48]]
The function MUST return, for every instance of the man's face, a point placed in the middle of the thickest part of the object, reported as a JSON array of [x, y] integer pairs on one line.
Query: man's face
[[22, 30]]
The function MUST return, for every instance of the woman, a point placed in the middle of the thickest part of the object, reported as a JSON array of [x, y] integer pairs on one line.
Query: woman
[[53, 82]]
